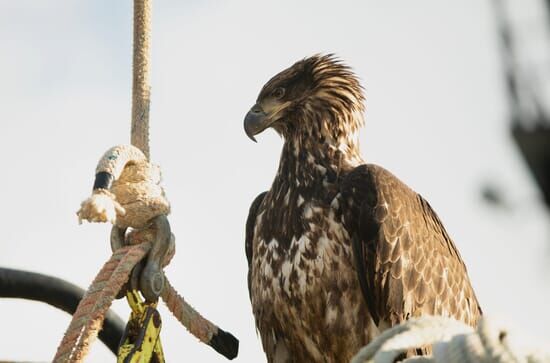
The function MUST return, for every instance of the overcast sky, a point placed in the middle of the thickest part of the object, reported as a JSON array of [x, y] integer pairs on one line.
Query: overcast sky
[[436, 117]]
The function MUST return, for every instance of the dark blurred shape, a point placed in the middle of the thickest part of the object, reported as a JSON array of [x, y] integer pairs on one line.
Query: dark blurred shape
[[530, 122], [491, 195], [535, 148]]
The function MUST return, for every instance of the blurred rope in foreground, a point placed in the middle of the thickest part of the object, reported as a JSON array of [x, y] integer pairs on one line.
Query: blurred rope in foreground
[[452, 341]]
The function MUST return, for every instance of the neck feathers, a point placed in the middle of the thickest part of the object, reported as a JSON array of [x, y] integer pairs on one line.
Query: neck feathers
[[321, 152]]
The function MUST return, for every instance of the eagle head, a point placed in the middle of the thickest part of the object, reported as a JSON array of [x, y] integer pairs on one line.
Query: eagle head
[[319, 98]]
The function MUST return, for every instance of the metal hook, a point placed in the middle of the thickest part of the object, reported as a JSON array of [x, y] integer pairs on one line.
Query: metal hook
[[151, 281], [147, 276]]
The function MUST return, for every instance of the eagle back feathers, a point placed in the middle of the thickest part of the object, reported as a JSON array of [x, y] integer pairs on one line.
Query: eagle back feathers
[[407, 263]]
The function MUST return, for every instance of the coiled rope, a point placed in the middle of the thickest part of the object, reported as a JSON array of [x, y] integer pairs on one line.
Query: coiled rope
[[452, 341]]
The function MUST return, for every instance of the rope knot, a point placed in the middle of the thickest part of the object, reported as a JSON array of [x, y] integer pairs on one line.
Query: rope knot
[[127, 190], [128, 194]]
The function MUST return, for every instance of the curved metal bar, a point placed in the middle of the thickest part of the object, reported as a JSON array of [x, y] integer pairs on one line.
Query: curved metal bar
[[151, 280], [117, 238], [147, 276], [58, 293]]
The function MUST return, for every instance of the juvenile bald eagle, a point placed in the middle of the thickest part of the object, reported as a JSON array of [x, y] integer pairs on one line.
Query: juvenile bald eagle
[[339, 250]]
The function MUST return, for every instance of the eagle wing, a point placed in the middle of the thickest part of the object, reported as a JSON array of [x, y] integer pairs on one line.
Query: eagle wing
[[406, 262], [274, 347], [249, 231]]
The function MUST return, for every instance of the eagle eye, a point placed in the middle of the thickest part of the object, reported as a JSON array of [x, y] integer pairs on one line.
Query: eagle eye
[[278, 92]]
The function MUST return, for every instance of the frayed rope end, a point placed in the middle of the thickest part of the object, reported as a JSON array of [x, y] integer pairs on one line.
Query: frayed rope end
[[101, 207]]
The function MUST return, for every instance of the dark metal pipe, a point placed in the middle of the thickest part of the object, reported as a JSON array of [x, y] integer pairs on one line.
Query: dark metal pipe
[[58, 293]]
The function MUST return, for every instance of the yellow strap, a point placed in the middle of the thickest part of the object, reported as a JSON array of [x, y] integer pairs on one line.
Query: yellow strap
[[141, 339]]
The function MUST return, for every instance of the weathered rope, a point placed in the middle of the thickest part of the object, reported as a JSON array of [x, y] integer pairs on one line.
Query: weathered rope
[[89, 315], [88, 318], [127, 190], [116, 158], [452, 341], [191, 319], [127, 193], [141, 91]]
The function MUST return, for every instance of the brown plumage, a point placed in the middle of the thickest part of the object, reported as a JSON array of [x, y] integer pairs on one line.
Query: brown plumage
[[339, 250]]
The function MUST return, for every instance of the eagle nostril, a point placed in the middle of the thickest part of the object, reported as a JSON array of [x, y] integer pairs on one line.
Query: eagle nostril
[[256, 110]]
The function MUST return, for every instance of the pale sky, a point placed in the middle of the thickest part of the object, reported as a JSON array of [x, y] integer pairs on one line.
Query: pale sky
[[436, 117]]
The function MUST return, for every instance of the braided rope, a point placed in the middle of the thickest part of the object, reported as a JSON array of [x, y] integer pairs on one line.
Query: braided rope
[[452, 341], [141, 92], [116, 158], [127, 190], [191, 319], [90, 313], [133, 200]]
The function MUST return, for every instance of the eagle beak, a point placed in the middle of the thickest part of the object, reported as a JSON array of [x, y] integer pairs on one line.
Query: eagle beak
[[256, 121]]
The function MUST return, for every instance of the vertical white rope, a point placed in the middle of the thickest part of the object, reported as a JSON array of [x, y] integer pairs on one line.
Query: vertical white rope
[[141, 90]]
